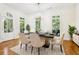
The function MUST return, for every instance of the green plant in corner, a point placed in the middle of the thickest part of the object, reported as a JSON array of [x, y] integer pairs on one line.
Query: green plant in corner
[[71, 31], [28, 28]]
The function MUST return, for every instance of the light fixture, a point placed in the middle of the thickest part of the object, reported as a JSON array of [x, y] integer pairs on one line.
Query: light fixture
[[38, 4], [38, 7]]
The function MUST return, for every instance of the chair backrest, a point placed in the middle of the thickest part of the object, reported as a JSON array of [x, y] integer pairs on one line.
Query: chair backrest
[[62, 38], [35, 40], [23, 38], [34, 36]]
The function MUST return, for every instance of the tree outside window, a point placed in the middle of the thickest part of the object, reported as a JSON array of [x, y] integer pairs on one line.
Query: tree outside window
[[22, 24], [56, 25], [8, 23], [38, 23]]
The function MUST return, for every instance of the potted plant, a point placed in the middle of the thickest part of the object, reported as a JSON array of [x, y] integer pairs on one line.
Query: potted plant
[[71, 31], [28, 28]]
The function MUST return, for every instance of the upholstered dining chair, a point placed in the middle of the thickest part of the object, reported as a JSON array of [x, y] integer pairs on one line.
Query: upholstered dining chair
[[57, 41], [23, 40], [36, 42]]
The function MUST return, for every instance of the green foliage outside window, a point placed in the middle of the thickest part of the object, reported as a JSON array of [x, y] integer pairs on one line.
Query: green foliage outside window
[[38, 21], [8, 23], [56, 24], [22, 25]]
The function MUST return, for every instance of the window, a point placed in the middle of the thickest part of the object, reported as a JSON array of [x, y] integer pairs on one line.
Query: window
[[8, 23], [56, 25], [38, 21], [22, 24]]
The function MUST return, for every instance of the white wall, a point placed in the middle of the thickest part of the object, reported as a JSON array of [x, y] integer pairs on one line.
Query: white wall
[[77, 16], [45, 21], [16, 15], [67, 17]]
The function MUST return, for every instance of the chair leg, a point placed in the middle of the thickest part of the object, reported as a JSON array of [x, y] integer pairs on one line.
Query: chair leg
[[20, 45], [25, 46], [61, 48], [51, 47], [31, 50], [38, 51]]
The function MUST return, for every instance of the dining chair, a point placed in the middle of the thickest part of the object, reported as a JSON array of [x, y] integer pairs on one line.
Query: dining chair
[[36, 42], [24, 40], [57, 41]]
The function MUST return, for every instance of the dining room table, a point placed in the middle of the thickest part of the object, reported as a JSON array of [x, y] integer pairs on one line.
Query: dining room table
[[47, 37]]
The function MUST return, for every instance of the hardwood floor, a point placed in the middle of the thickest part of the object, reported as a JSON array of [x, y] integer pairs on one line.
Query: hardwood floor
[[8, 44], [70, 48]]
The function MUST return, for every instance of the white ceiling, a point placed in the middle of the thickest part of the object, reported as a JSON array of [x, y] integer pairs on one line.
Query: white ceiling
[[29, 8]]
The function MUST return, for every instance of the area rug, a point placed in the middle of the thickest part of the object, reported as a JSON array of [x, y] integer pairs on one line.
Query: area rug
[[43, 51]]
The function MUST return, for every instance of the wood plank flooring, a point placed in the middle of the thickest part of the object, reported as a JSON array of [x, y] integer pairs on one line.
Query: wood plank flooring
[[70, 48], [8, 44]]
